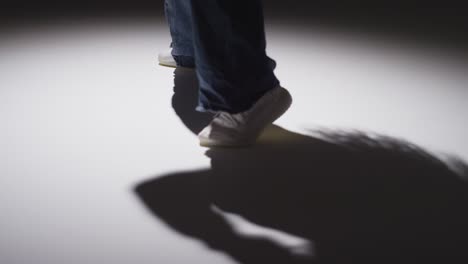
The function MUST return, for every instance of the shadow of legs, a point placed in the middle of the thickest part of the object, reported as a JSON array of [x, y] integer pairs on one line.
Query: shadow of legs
[[358, 198], [361, 199]]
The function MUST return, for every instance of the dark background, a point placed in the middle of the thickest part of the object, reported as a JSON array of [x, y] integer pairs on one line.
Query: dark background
[[441, 22]]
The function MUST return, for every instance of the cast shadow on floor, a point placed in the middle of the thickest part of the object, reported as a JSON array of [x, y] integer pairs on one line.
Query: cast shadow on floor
[[359, 198]]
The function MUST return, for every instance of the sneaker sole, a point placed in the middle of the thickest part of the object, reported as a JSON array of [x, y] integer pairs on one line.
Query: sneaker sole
[[167, 65]]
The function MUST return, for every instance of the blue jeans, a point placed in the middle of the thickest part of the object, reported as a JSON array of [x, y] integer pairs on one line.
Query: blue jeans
[[226, 39], [179, 17]]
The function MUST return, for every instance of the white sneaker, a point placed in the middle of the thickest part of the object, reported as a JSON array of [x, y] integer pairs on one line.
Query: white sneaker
[[243, 129], [165, 58]]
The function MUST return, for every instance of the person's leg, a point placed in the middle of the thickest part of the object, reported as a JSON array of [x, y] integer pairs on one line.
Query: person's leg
[[232, 66], [179, 17], [235, 75]]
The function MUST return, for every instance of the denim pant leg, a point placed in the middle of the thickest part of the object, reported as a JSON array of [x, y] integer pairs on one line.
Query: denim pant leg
[[179, 17], [232, 67]]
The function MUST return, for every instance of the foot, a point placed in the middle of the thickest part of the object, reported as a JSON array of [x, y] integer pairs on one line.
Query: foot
[[165, 58], [243, 129]]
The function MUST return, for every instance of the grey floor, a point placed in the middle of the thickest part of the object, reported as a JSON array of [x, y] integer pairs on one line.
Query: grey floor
[[86, 115]]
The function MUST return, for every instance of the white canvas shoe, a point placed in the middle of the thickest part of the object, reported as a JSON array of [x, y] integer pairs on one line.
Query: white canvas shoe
[[243, 129], [165, 58]]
